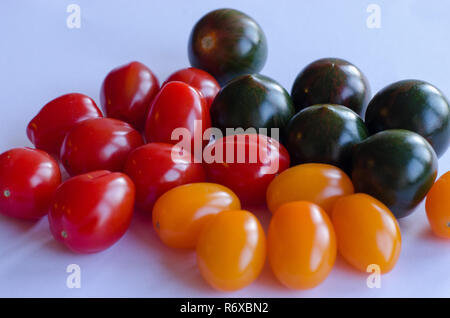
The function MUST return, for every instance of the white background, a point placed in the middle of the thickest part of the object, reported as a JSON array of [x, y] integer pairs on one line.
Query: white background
[[40, 59]]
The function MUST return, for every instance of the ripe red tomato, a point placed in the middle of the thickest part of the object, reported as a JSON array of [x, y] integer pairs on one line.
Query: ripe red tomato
[[177, 105], [49, 127], [199, 79], [127, 93], [154, 172], [98, 144], [28, 180], [90, 212], [255, 162]]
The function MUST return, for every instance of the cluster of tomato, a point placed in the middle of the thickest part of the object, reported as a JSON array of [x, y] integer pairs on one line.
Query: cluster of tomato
[[317, 208]]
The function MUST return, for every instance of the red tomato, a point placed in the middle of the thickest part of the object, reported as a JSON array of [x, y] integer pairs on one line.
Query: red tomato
[[256, 160], [92, 211], [28, 180], [49, 127], [177, 105], [199, 79], [127, 93], [98, 144], [154, 172]]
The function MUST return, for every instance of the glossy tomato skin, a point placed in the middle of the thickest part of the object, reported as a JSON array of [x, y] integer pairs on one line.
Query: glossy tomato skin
[[331, 81], [319, 183], [28, 180], [204, 82], [227, 43], [396, 166], [154, 171], [248, 175], [49, 127], [301, 245], [92, 211], [181, 213], [367, 232], [437, 206], [98, 144], [231, 250], [177, 105], [127, 93]]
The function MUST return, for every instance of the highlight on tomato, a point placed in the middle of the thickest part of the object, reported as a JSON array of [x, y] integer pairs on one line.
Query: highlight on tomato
[[28, 180], [92, 211]]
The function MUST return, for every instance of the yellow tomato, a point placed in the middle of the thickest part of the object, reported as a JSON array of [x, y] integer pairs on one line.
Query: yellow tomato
[[438, 206], [180, 214], [301, 245], [231, 250], [319, 183], [367, 232]]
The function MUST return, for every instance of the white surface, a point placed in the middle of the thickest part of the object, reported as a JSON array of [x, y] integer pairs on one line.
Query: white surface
[[40, 58]]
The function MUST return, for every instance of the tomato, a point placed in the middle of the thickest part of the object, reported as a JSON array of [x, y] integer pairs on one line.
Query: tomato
[[199, 79], [92, 211], [437, 206], [98, 144], [231, 250], [154, 171], [319, 183], [127, 93], [49, 127], [28, 179], [180, 214], [301, 244], [177, 105], [254, 163], [367, 232]]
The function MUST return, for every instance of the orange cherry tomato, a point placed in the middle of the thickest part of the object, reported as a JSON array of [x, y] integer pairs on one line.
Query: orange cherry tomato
[[437, 206], [180, 214], [367, 232], [231, 250], [301, 245], [319, 183]]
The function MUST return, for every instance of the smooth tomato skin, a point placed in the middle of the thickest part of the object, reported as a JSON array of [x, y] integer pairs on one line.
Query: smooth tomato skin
[[177, 105], [301, 245], [28, 180], [98, 144], [181, 213], [204, 82], [437, 206], [92, 211], [49, 127], [318, 183], [231, 250], [248, 179], [127, 93], [367, 232], [154, 172]]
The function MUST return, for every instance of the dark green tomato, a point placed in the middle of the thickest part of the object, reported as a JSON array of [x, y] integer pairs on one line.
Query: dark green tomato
[[398, 167], [331, 81], [324, 134], [413, 105], [227, 43], [252, 101]]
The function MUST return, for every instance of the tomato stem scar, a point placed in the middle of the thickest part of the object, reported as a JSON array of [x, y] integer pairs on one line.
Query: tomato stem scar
[[6, 193], [64, 234]]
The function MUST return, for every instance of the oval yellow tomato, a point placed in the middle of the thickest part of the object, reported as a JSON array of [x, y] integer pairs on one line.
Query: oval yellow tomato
[[180, 214], [231, 250], [367, 232], [301, 245], [319, 183], [437, 206]]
